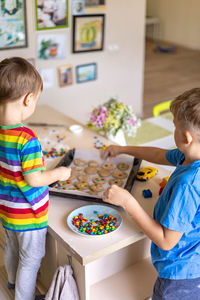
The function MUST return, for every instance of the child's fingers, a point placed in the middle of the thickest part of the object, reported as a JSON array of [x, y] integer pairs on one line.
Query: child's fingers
[[106, 195], [105, 153]]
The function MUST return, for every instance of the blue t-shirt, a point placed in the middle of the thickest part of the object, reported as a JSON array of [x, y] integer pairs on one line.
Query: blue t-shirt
[[178, 209]]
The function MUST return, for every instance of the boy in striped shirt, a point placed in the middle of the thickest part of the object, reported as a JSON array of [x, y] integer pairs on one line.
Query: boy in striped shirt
[[24, 196]]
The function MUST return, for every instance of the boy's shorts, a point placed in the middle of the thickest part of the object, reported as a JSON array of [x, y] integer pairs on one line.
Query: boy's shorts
[[183, 289]]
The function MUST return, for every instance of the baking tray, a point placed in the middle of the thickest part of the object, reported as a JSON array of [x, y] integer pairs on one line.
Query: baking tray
[[67, 161]]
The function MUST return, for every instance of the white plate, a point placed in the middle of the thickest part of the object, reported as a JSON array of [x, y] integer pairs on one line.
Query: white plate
[[76, 128], [92, 212]]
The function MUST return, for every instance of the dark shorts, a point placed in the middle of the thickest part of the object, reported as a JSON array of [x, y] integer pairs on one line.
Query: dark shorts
[[184, 289]]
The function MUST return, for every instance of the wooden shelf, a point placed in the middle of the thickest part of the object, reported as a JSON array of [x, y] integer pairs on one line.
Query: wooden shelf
[[133, 283]]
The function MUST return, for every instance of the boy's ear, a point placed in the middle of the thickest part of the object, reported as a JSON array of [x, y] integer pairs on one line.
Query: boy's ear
[[28, 99], [188, 137]]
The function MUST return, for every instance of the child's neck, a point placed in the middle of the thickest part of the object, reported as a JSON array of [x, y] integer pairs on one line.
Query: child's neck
[[192, 156], [10, 114]]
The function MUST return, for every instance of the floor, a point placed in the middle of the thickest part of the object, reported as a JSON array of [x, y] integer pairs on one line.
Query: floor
[[168, 74]]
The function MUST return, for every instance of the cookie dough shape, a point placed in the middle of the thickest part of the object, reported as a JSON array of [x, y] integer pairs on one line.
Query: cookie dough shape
[[83, 177], [119, 174], [78, 170], [64, 184], [104, 173], [90, 170], [108, 166], [79, 162], [93, 163], [122, 166], [81, 185], [96, 187], [116, 181], [99, 179]]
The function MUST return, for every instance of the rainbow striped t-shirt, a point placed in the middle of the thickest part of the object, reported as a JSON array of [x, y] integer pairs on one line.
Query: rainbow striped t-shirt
[[22, 207]]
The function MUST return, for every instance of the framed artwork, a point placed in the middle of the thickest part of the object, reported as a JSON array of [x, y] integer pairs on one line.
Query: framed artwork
[[51, 14], [78, 7], [92, 3], [88, 33], [86, 72], [13, 32], [65, 75], [51, 46], [47, 77], [92, 6]]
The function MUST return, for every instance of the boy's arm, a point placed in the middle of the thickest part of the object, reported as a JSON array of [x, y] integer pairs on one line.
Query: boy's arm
[[42, 178], [151, 154], [164, 238]]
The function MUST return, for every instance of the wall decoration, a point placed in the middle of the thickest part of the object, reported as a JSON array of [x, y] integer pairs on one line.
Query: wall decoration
[[88, 33], [78, 7], [86, 72], [51, 14], [47, 77], [94, 2], [51, 46], [13, 24], [65, 75], [92, 6]]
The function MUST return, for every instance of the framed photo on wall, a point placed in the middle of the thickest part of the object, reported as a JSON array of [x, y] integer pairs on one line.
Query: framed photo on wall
[[92, 3], [51, 46], [86, 72], [51, 14], [94, 6], [65, 75], [13, 31], [88, 33]]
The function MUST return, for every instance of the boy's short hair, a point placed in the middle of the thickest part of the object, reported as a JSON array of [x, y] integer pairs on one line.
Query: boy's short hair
[[186, 109], [17, 78]]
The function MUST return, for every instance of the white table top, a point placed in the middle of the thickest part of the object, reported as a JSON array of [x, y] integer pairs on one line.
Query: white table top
[[88, 249]]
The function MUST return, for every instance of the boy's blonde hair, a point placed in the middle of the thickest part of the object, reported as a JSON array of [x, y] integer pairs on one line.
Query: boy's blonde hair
[[18, 78], [186, 109]]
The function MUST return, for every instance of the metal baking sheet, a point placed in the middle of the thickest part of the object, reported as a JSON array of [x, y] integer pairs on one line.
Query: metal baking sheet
[[94, 154]]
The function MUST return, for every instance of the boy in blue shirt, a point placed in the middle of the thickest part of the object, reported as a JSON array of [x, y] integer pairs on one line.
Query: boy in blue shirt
[[175, 226]]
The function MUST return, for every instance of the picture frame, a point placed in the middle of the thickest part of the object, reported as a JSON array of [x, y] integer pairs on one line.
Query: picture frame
[[51, 46], [88, 33], [47, 75], [13, 30], [94, 6], [78, 7], [94, 3], [51, 14], [65, 75], [86, 72]]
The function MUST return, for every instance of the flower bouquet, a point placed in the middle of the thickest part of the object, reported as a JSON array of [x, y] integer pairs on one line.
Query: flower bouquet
[[113, 116]]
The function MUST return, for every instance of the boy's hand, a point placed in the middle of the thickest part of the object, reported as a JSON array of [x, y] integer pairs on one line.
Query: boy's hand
[[117, 195], [111, 151], [64, 173]]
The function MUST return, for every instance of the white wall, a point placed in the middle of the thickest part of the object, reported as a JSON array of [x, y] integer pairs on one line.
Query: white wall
[[119, 73], [179, 21]]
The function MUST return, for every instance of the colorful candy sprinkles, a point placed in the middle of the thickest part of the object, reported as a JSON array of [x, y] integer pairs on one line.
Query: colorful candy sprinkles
[[98, 144], [53, 152], [105, 224]]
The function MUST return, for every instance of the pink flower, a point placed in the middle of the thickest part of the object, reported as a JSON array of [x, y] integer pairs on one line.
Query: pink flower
[[132, 122]]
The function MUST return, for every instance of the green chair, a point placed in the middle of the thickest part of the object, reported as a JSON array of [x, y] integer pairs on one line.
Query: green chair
[[163, 106]]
